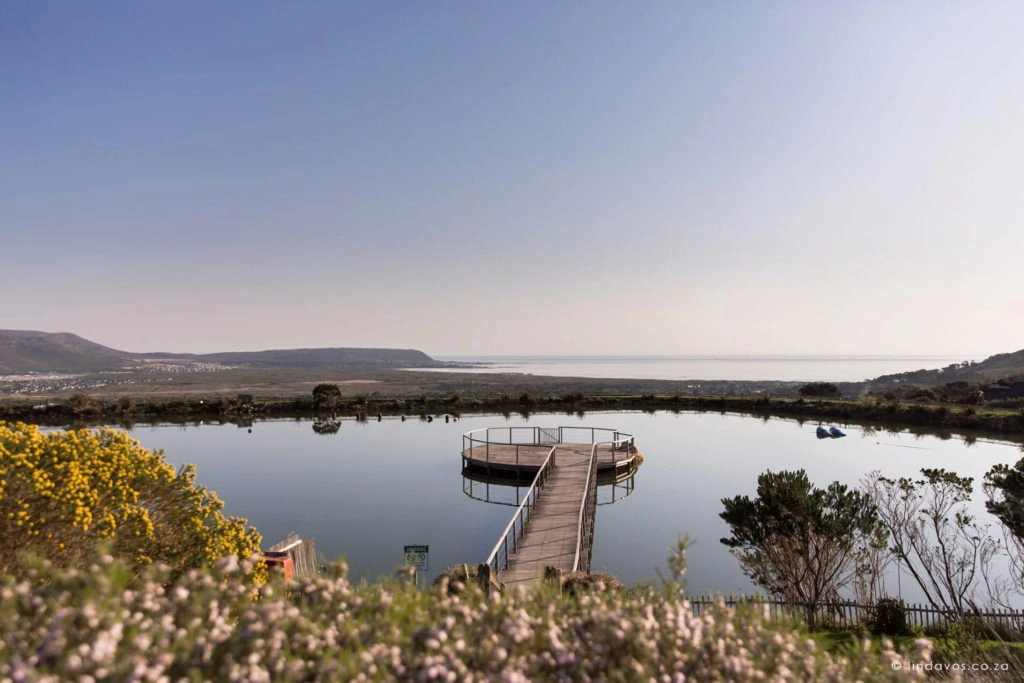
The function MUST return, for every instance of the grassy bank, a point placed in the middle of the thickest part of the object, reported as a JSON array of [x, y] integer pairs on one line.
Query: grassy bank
[[81, 409]]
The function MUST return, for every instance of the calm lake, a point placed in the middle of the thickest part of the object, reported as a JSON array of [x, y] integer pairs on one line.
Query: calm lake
[[372, 488]]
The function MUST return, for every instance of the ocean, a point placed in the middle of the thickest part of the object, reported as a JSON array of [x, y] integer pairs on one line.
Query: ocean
[[752, 368]]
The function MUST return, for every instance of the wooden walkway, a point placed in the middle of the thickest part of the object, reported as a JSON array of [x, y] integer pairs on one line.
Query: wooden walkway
[[550, 536], [553, 526]]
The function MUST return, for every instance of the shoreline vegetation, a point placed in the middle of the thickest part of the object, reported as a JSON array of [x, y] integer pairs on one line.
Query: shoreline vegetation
[[81, 409], [114, 625]]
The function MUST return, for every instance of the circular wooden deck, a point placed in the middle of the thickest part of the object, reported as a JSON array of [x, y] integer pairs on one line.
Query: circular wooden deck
[[527, 458]]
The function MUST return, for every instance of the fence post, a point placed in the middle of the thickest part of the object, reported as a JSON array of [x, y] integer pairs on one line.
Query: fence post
[[483, 571]]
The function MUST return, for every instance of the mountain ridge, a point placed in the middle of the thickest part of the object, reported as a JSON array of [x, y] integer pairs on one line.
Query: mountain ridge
[[27, 351]]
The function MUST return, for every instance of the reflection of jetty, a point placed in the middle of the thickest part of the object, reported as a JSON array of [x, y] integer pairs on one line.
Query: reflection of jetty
[[553, 526], [502, 488]]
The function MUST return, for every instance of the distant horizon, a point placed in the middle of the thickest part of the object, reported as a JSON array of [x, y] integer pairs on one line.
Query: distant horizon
[[715, 356], [541, 356], [711, 367]]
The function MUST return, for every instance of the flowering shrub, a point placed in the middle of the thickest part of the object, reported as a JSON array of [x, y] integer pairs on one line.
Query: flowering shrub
[[63, 493], [100, 623]]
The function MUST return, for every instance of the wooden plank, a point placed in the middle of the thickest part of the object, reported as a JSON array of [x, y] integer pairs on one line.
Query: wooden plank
[[550, 536]]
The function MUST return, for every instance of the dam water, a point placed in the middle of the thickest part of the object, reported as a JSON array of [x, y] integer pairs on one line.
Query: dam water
[[369, 489]]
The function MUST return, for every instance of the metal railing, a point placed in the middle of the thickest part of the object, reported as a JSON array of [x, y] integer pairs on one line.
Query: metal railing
[[588, 505], [498, 559], [525, 439], [508, 489]]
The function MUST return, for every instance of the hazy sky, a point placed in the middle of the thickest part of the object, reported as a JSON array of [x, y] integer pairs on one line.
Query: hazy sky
[[529, 177]]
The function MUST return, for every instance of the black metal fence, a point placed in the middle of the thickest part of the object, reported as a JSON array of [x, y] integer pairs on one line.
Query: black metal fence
[[848, 614]]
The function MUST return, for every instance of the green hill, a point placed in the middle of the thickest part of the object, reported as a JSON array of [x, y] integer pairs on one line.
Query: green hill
[[992, 368], [25, 351], [30, 351]]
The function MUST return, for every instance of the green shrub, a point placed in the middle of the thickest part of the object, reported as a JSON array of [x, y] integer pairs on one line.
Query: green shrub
[[820, 390], [889, 617], [326, 395]]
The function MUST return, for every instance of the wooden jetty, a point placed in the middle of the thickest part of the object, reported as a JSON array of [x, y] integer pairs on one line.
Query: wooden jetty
[[295, 557], [553, 527]]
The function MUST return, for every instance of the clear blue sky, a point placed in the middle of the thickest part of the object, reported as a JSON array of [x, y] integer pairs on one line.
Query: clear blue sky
[[654, 177]]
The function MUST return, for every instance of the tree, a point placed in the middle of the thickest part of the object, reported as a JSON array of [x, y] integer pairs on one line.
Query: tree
[[1004, 490], [64, 494], [820, 390], [799, 542], [1006, 502], [932, 534], [80, 404], [326, 395]]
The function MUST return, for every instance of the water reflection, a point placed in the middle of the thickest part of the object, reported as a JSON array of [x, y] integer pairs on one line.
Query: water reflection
[[326, 426], [370, 488], [509, 488]]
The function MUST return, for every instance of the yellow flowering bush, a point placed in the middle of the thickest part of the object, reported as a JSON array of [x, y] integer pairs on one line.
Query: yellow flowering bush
[[64, 493]]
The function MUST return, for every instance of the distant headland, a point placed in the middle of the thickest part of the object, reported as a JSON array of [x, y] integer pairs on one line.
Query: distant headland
[[29, 351]]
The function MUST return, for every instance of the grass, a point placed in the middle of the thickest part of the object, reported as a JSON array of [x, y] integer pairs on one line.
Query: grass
[[949, 649]]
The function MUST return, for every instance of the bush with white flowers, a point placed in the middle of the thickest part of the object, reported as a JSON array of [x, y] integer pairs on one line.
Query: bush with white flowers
[[105, 622]]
